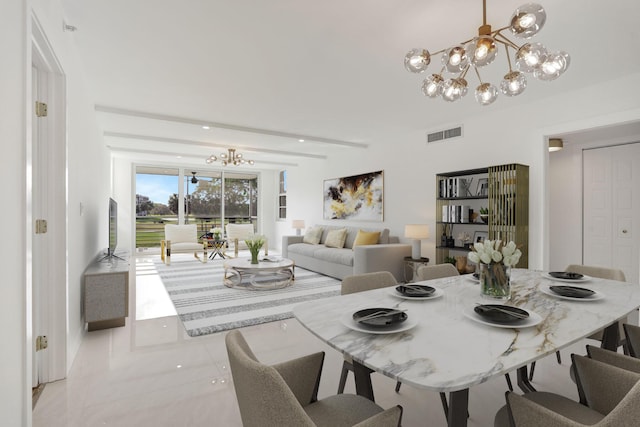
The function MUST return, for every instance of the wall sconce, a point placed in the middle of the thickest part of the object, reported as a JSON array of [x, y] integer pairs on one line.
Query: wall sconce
[[417, 232], [297, 224], [555, 144]]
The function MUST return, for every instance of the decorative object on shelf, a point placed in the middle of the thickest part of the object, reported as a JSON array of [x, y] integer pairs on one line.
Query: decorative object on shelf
[[465, 239], [480, 236], [484, 215], [417, 232], [254, 243], [298, 225], [230, 158], [462, 266], [357, 197], [216, 233], [526, 21], [495, 260], [483, 187], [555, 144]]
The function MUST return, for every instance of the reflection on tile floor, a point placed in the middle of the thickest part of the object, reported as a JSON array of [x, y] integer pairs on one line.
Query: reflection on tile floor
[[151, 373]]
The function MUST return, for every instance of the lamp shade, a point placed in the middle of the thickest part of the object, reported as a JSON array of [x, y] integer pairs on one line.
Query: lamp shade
[[297, 224], [416, 231]]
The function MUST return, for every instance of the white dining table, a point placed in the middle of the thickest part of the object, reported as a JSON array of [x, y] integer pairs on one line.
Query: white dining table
[[448, 349]]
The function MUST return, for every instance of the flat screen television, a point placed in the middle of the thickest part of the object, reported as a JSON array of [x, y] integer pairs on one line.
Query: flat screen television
[[113, 230]]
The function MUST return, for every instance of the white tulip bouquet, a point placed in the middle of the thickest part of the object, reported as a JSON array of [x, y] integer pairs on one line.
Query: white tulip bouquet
[[495, 259]]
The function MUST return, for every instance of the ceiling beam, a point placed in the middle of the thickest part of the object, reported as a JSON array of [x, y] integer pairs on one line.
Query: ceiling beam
[[168, 118]]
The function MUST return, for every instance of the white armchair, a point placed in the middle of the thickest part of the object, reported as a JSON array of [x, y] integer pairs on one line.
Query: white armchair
[[179, 238], [237, 234]]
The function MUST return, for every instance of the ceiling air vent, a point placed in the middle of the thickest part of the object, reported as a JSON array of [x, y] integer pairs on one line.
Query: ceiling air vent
[[444, 134]]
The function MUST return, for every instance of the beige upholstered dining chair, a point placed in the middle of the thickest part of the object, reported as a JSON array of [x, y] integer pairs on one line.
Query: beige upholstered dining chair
[[360, 283], [438, 271], [632, 339], [601, 273], [286, 394], [611, 396]]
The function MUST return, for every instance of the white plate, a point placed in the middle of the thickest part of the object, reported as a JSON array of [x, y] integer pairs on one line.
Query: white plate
[[436, 294], [595, 297], [347, 320], [584, 278], [533, 319]]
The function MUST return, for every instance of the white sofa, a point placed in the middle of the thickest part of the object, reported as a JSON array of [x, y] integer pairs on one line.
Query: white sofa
[[387, 255], [180, 238]]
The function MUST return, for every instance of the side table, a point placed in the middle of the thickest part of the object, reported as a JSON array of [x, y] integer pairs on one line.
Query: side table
[[412, 265], [217, 247]]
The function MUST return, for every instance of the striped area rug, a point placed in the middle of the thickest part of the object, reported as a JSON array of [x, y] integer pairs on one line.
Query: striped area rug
[[206, 306]]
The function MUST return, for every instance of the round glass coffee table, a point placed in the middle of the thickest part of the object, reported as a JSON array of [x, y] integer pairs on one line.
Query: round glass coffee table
[[266, 275]]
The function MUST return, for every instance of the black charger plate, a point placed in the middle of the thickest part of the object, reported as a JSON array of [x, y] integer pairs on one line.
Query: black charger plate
[[396, 317], [416, 291], [501, 313], [572, 291], [567, 275]]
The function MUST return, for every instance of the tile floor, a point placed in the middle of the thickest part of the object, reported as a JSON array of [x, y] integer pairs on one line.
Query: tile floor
[[150, 373]]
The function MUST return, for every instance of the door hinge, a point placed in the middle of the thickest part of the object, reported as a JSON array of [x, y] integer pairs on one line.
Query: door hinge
[[42, 342], [41, 109], [41, 226]]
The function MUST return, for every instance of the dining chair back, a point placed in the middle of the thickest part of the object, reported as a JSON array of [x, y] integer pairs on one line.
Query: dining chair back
[[632, 338], [367, 282], [438, 271], [285, 394], [611, 393]]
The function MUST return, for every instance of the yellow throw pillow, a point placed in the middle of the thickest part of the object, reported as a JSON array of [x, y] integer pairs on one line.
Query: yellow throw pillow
[[336, 238], [313, 235], [366, 238]]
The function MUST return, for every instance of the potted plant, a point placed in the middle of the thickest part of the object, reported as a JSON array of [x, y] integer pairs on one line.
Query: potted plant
[[484, 215]]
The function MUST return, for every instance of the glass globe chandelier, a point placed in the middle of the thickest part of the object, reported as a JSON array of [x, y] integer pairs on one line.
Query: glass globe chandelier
[[532, 58], [230, 158]]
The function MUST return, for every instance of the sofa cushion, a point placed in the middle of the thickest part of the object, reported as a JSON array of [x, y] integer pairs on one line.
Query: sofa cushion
[[305, 249], [366, 238], [334, 255], [336, 238], [313, 235]]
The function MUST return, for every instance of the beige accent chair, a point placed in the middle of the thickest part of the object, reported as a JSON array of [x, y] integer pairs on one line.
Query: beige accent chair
[[237, 234], [610, 395], [179, 238], [286, 394]]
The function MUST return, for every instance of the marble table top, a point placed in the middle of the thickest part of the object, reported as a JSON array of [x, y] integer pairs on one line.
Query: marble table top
[[447, 351]]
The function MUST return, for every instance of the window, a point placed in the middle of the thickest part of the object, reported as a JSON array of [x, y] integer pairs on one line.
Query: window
[[282, 196]]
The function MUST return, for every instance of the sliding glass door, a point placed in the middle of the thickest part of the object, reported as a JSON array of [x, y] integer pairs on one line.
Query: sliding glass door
[[186, 196]]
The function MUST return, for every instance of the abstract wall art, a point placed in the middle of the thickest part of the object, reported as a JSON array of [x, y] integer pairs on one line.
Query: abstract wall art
[[357, 197]]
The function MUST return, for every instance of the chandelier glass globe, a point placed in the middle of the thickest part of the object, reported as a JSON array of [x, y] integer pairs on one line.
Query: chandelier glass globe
[[553, 67], [482, 50], [433, 86], [513, 84], [417, 60], [530, 56], [454, 89], [527, 20], [455, 59], [486, 94]]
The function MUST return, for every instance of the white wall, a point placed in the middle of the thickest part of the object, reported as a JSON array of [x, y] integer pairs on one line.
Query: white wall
[[87, 182], [14, 362], [509, 135]]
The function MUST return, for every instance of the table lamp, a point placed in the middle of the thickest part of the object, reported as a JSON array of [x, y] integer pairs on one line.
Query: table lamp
[[416, 232], [297, 224]]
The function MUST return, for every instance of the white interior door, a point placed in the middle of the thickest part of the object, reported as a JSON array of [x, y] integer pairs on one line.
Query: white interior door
[[611, 185]]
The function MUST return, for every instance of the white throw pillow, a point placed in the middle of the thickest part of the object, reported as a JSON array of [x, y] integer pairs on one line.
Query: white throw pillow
[[313, 235], [336, 238]]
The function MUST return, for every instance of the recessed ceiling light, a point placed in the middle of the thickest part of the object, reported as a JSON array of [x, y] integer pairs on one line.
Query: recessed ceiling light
[[206, 127], [301, 140], [178, 157]]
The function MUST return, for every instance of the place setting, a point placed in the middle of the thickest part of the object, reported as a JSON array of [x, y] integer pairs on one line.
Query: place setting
[[379, 320], [414, 291], [502, 316], [568, 292]]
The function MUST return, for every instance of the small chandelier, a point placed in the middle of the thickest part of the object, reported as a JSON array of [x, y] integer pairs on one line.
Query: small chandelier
[[230, 158], [480, 51]]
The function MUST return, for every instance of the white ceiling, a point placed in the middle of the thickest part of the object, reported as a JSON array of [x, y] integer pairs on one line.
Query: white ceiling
[[328, 70]]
